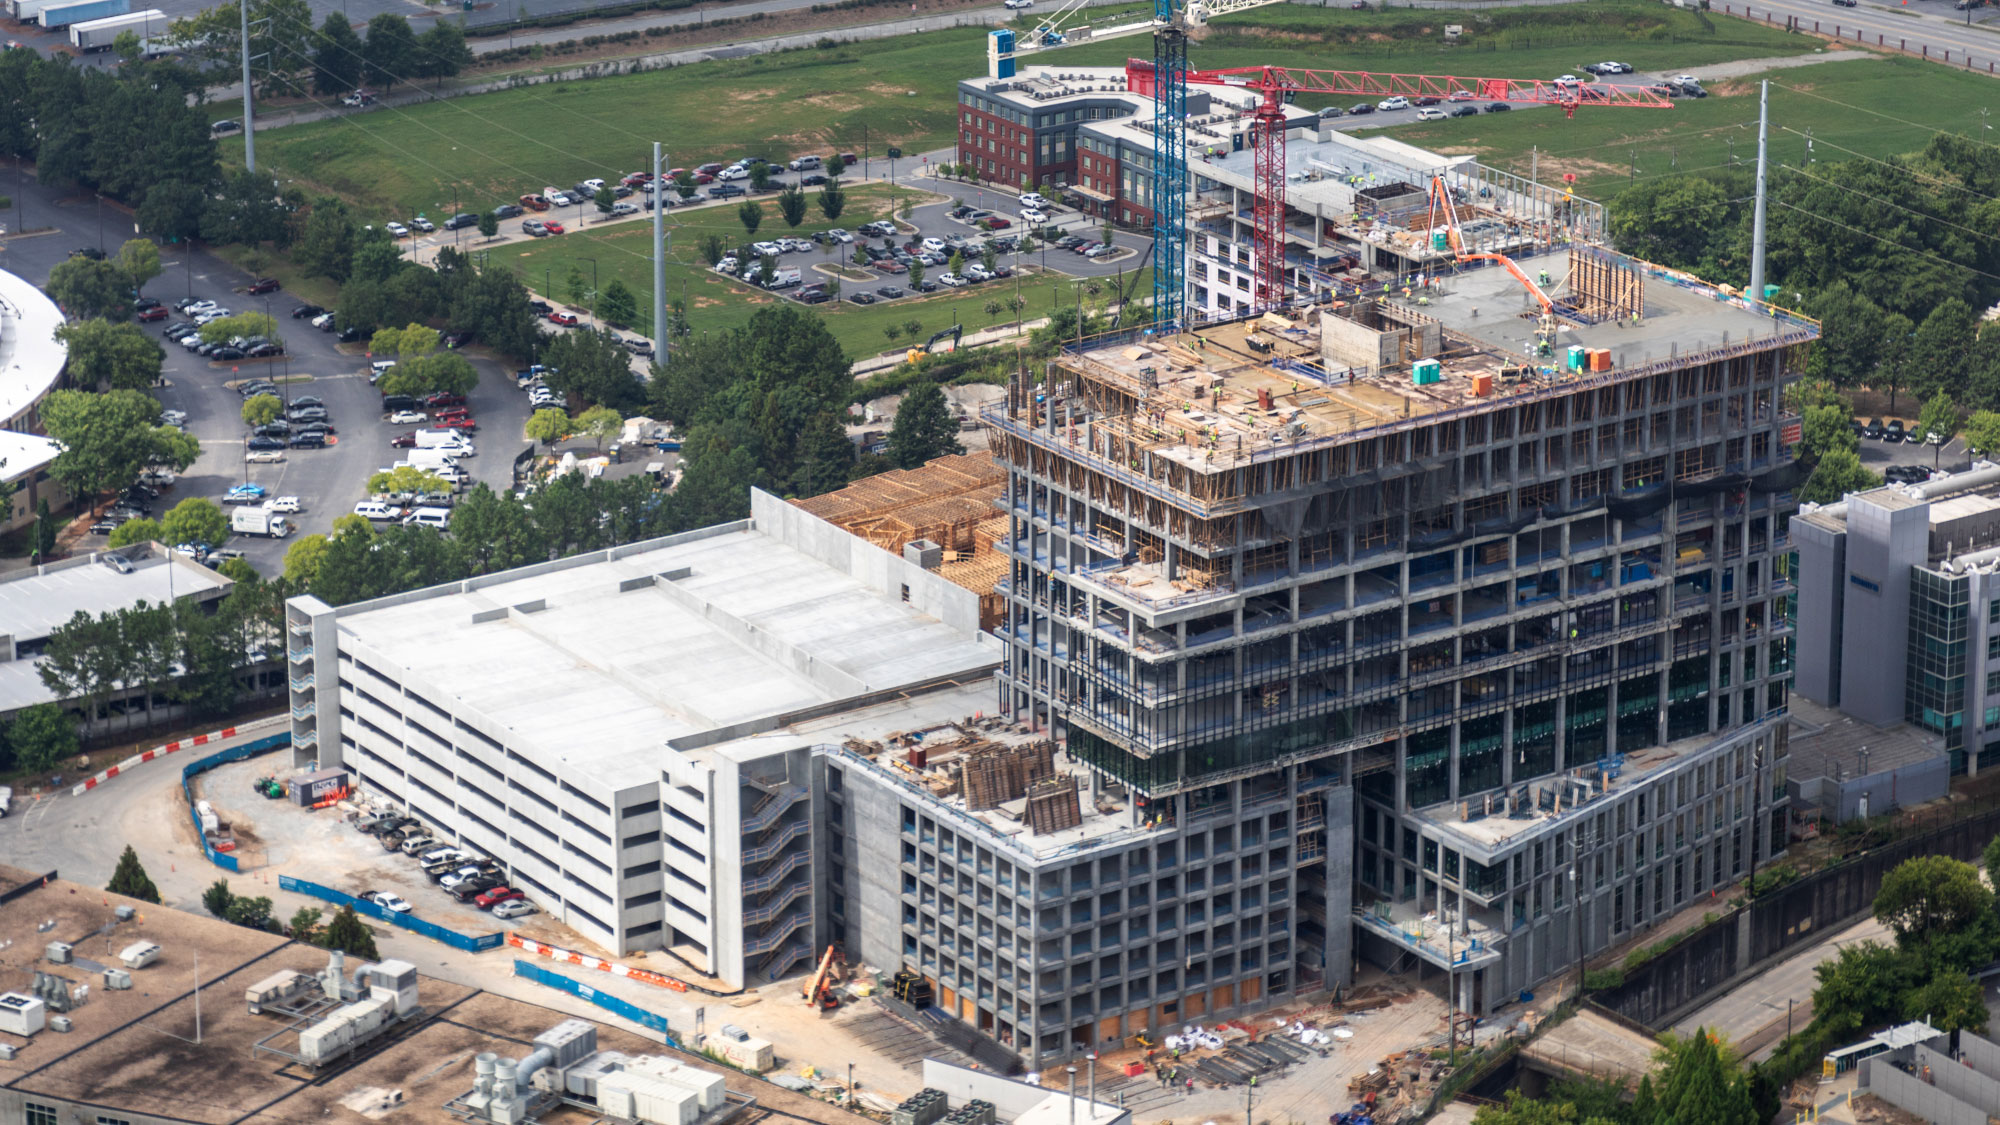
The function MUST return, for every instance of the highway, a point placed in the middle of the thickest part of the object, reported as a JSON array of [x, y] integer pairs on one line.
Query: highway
[[1926, 28]]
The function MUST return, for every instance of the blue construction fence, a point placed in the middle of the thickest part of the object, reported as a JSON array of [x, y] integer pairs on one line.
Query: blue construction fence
[[605, 1000], [473, 943], [222, 757]]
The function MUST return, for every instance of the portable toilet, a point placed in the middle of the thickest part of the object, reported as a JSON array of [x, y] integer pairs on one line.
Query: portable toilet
[[1424, 372], [1576, 360], [1440, 241]]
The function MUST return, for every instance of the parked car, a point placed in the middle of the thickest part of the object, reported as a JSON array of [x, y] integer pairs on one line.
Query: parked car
[[515, 908], [1874, 430], [397, 230], [507, 211], [422, 224], [157, 312], [407, 417], [264, 444], [389, 900], [1466, 111], [553, 227], [567, 320], [1498, 107], [265, 285], [1387, 105], [461, 220], [306, 312], [493, 897]]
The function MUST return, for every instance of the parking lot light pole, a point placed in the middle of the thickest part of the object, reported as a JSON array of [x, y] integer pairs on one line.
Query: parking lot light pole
[[593, 283]]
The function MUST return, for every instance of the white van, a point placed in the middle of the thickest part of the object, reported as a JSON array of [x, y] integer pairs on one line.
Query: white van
[[439, 518], [374, 510]]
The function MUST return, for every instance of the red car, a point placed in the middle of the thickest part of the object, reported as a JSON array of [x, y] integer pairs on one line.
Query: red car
[[704, 178], [466, 424], [890, 265], [567, 320], [552, 227], [710, 169], [264, 285], [403, 441], [495, 897], [998, 223], [452, 412], [534, 203], [445, 398], [157, 312]]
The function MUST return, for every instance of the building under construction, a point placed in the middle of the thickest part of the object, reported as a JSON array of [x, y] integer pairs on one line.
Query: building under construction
[[1443, 628]]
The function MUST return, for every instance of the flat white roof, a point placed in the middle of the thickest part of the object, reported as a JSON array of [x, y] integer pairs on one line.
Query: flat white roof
[[599, 665], [31, 358], [22, 454]]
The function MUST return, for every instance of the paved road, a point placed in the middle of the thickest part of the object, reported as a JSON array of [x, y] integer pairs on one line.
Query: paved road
[[1918, 26], [1753, 1015], [328, 480]]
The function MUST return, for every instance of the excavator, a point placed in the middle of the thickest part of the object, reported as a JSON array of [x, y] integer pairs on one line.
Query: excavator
[[1441, 203], [955, 331], [819, 988]]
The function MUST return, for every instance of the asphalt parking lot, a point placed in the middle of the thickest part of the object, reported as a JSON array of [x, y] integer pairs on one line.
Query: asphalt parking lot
[[327, 481], [1879, 455]]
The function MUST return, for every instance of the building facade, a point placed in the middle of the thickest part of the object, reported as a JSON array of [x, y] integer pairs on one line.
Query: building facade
[[1899, 610], [1397, 550]]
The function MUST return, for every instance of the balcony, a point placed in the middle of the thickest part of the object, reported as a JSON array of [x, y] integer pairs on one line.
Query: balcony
[[300, 655], [304, 712]]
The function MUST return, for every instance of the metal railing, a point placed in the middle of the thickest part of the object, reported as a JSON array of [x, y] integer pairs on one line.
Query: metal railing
[[775, 844], [768, 810]]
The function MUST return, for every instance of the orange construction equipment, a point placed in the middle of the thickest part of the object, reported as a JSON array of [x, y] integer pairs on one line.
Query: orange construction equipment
[[1440, 198], [817, 993]]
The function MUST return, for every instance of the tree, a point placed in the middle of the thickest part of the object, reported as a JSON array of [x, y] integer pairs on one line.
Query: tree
[[131, 880], [760, 176], [924, 428], [1851, 337], [792, 206], [1519, 1109], [326, 245], [593, 366], [548, 425], [826, 456], [916, 275], [224, 329], [1982, 432], [684, 184], [1939, 416], [41, 737], [1928, 896], [337, 57], [218, 898], [1823, 428], [135, 531], [606, 199], [140, 259], [108, 439], [304, 925], [767, 270], [600, 423], [239, 570], [1807, 393], [489, 225], [91, 289], [391, 50], [956, 264], [832, 200], [259, 410], [1675, 220], [751, 215], [252, 913], [172, 210], [1950, 1001], [1838, 473], [989, 257], [1698, 1085], [441, 51], [618, 306], [1991, 859], [713, 248], [893, 331], [1940, 348], [107, 355], [251, 207], [449, 372], [406, 480], [195, 520], [350, 935], [302, 560]]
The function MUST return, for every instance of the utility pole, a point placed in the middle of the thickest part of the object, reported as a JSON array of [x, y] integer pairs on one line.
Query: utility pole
[[659, 258], [1757, 223], [249, 123]]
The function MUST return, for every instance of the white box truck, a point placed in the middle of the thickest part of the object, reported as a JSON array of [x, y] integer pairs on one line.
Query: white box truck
[[98, 35], [259, 521]]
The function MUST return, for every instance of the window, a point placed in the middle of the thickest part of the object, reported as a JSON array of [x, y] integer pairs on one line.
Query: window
[[38, 1114], [103, 1120]]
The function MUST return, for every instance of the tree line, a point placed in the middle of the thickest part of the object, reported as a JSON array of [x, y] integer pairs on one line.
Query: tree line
[[185, 653], [289, 56]]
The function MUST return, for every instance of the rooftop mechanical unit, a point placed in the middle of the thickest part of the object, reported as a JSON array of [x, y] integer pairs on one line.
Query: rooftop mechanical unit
[[21, 1014]]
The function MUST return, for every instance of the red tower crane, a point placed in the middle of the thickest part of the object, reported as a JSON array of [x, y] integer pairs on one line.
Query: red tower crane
[[1276, 84]]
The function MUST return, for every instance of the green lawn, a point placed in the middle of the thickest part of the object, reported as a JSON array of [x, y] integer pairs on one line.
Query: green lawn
[[1860, 105], [491, 148], [717, 304]]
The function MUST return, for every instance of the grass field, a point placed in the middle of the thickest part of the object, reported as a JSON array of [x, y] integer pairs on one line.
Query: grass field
[[1878, 107], [492, 147], [718, 304]]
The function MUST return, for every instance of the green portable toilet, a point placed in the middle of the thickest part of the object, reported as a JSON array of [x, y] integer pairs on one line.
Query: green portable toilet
[[1577, 360], [1439, 241]]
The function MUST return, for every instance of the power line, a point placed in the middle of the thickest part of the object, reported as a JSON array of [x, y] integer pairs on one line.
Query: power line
[[1925, 176], [1885, 241], [1886, 203], [1879, 113]]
